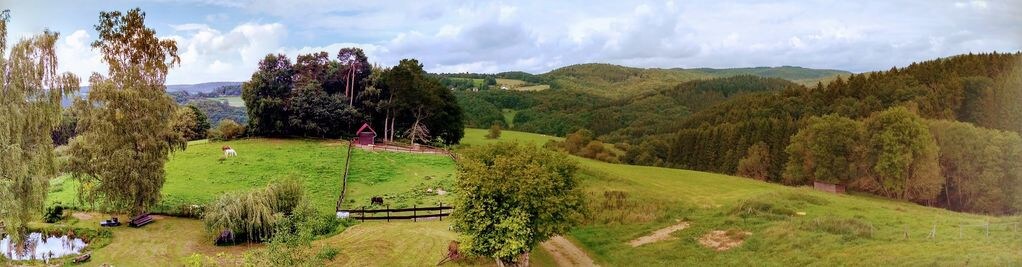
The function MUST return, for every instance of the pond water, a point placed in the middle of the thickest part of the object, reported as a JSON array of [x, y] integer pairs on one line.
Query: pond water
[[41, 247]]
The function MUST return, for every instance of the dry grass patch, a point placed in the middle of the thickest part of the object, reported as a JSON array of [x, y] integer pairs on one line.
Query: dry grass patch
[[723, 240]]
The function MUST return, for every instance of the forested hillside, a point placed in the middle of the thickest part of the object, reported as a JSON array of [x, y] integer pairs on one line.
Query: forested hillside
[[619, 81], [982, 90], [560, 111]]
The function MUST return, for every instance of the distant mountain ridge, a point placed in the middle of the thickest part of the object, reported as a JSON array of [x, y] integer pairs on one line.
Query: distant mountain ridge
[[617, 81], [190, 88]]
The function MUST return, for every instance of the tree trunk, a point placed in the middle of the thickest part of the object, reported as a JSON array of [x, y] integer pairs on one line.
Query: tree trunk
[[523, 261], [393, 121], [351, 98]]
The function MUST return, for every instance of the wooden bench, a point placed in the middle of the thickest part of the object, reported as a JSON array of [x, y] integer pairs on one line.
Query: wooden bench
[[83, 258], [140, 220]]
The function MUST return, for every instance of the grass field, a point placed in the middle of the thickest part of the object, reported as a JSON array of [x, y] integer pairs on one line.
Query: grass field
[[509, 117], [197, 176], [835, 230], [234, 101], [519, 85]]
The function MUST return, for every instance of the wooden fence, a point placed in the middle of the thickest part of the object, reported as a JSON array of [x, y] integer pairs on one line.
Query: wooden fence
[[399, 147], [417, 213]]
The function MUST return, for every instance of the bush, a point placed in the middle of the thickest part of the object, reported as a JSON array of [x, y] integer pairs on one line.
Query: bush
[[252, 216], [227, 130], [494, 131], [54, 213]]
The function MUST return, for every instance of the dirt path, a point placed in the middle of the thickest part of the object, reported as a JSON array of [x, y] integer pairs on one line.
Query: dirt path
[[658, 235], [566, 253]]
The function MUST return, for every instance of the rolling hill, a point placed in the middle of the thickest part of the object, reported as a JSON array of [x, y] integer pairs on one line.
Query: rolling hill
[[615, 81], [786, 225]]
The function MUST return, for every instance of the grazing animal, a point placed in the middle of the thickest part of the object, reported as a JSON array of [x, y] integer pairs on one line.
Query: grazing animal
[[229, 152], [377, 200]]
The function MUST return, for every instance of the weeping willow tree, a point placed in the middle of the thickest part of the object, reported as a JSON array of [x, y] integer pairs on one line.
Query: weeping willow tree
[[253, 216], [126, 123], [30, 93]]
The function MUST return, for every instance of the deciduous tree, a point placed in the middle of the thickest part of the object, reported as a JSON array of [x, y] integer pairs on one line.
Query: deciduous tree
[[31, 90], [512, 197], [756, 163], [126, 127]]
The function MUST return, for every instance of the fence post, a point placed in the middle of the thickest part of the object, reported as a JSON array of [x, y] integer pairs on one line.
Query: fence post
[[988, 228], [388, 212], [933, 232], [413, 213], [441, 211], [363, 214]]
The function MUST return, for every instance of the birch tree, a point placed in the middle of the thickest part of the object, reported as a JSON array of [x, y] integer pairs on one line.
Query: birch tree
[[127, 124]]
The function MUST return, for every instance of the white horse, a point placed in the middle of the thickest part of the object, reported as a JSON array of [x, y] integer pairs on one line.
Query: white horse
[[229, 152]]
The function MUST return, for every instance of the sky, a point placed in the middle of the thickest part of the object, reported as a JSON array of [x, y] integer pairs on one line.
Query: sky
[[224, 40]]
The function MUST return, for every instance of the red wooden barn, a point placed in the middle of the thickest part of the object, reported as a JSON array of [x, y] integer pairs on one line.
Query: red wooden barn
[[366, 135]]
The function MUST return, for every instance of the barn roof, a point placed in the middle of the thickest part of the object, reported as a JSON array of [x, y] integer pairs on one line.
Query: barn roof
[[365, 126]]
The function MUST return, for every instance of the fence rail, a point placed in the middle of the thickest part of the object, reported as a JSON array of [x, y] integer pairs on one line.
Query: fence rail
[[364, 214], [399, 147]]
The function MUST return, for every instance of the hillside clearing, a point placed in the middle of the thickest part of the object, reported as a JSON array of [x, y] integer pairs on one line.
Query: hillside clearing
[[234, 101]]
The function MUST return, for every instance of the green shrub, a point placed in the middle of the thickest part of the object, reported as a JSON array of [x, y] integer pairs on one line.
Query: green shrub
[[54, 213], [227, 130]]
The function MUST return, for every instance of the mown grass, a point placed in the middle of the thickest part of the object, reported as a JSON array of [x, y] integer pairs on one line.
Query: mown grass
[[197, 176], [834, 230]]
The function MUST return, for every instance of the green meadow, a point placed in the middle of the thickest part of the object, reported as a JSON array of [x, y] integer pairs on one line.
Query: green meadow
[[197, 175]]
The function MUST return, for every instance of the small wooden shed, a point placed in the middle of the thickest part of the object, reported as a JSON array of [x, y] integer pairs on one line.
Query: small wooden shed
[[366, 135], [829, 187]]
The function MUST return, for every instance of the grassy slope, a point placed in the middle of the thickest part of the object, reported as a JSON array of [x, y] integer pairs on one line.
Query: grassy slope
[[196, 176], [395, 244], [820, 237]]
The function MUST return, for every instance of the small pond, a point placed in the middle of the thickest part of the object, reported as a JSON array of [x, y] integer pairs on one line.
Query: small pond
[[42, 247]]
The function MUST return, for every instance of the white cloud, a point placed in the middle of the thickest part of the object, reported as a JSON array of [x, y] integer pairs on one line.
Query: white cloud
[[536, 36]]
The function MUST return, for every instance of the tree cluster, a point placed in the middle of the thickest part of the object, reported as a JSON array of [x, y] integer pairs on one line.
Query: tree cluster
[[322, 97]]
